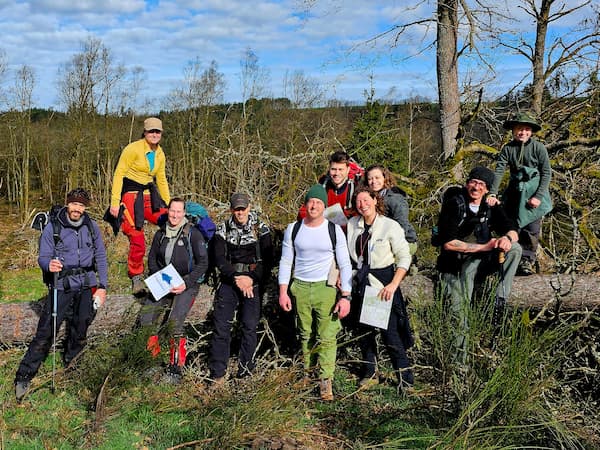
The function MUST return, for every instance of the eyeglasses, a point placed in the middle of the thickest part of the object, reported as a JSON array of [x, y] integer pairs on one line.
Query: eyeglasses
[[154, 131], [477, 183]]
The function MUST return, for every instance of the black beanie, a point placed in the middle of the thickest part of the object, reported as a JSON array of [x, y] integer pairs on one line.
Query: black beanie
[[482, 173]]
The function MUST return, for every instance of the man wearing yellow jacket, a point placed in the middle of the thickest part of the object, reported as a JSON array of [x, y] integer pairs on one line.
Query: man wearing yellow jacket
[[140, 192]]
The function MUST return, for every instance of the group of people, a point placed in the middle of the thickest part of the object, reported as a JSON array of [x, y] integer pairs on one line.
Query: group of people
[[324, 271]]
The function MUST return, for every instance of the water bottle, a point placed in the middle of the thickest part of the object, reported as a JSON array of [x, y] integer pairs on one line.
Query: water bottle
[[96, 302]]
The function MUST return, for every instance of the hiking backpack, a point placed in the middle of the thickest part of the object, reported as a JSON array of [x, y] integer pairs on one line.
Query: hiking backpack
[[50, 217], [197, 215]]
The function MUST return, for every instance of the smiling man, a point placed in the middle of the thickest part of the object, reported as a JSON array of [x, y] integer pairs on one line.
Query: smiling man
[[337, 184], [308, 251], [72, 250], [467, 226], [243, 254]]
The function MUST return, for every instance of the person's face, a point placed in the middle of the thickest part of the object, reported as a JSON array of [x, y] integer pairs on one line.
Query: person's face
[[522, 132], [366, 205], [338, 172], [375, 179], [477, 190], [152, 136], [240, 215], [314, 208], [75, 210], [176, 213]]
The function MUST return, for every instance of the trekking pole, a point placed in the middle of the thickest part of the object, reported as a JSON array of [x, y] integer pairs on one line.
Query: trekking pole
[[500, 301], [54, 314]]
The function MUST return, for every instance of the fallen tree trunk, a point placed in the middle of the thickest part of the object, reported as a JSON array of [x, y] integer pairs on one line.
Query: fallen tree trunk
[[18, 321]]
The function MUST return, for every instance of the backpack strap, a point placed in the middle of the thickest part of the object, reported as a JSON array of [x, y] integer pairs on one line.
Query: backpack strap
[[330, 229], [186, 235], [349, 194]]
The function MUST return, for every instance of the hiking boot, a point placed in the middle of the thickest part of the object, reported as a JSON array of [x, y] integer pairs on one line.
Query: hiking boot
[[243, 372], [525, 268], [21, 389], [326, 389], [172, 375], [138, 286], [368, 382], [217, 383]]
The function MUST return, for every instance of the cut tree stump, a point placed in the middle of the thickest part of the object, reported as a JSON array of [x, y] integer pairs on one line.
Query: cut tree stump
[[18, 321]]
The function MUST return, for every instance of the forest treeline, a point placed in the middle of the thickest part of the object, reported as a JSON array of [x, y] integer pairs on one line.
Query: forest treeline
[[274, 150]]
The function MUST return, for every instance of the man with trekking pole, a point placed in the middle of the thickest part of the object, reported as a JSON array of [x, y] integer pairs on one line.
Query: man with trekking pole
[[467, 228], [73, 259]]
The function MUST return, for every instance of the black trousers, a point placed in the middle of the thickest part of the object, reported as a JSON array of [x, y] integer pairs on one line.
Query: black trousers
[[529, 238], [392, 339], [74, 307], [227, 300]]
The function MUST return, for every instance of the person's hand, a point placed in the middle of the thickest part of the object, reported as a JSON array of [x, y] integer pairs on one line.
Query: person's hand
[[504, 243], [533, 202], [101, 294], [492, 201], [55, 265], [387, 293], [285, 302], [114, 211], [342, 308], [178, 289], [245, 284]]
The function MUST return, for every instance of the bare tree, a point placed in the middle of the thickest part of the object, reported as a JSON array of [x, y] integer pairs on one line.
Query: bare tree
[[254, 78], [568, 51], [305, 91], [89, 78], [20, 139]]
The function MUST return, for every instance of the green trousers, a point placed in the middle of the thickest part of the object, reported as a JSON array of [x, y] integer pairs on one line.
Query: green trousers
[[318, 327]]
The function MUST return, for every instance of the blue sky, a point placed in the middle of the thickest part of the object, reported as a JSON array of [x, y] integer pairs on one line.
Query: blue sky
[[164, 36]]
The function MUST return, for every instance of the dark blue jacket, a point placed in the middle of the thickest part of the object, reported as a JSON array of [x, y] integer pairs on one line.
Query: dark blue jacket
[[78, 250]]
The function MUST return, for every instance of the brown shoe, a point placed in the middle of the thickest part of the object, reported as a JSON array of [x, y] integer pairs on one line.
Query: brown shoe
[[138, 286], [326, 389], [216, 384], [368, 382]]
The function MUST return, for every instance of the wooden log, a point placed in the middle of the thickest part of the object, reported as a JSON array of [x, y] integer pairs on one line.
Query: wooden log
[[18, 321]]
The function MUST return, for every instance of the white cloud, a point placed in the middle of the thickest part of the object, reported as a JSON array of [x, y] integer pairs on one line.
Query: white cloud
[[164, 35]]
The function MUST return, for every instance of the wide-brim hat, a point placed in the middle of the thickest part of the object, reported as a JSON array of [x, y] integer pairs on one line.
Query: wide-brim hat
[[524, 118]]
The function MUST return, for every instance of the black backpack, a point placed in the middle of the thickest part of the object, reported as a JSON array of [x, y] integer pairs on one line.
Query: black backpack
[[43, 218]]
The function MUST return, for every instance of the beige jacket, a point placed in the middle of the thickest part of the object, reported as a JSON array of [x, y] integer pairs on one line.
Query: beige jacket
[[387, 244]]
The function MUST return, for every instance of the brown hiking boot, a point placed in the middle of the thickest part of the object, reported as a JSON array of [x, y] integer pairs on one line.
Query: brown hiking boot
[[216, 384], [368, 382], [326, 389], [137, 285]]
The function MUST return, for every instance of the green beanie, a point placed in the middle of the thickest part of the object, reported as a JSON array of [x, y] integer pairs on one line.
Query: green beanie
[[316, 191]]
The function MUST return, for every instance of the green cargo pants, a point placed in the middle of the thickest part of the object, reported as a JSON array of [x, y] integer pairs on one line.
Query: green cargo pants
[[317, 325]]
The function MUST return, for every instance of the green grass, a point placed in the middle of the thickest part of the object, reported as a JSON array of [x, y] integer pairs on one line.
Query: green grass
[[511, 395], [22, 285]]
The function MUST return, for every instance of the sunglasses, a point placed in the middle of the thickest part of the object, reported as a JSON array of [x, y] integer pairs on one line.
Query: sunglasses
[[154, 131]]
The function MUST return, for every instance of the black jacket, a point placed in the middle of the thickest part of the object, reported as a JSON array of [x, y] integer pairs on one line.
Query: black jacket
[[457, 221], [181, 256]]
